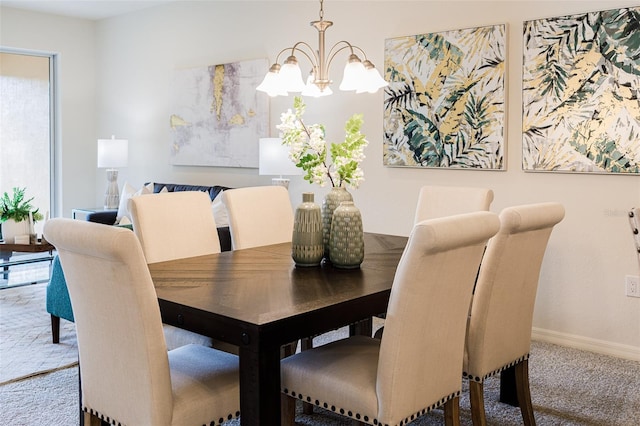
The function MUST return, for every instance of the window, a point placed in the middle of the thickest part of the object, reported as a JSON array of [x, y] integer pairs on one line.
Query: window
[[26, 126]]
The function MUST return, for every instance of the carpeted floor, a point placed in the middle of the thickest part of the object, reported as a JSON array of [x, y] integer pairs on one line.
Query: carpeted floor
[[568, 386], [25, 335]]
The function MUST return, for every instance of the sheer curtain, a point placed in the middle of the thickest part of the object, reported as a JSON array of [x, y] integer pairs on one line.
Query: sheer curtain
[[25, 127]]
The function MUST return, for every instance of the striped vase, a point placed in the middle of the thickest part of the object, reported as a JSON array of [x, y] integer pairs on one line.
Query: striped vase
[[307, 248]]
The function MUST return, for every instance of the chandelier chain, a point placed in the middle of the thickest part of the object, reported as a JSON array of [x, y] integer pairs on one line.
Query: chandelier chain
[[321, 10]]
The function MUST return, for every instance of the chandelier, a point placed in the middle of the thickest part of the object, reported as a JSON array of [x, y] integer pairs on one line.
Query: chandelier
[[359, 76]]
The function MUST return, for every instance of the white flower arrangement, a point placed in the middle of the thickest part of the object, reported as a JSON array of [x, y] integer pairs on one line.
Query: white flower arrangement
[[308, 149]]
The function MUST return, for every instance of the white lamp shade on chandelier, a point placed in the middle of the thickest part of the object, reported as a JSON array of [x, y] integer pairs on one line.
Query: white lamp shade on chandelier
[[112, 153], [359, 76], [274, 160]]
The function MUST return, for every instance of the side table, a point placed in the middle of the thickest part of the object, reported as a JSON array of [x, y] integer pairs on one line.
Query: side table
[[7, 250]]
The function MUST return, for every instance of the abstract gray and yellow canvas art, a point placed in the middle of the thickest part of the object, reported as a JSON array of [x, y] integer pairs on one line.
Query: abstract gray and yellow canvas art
[[580, 93], [444, 106], [216, 115]]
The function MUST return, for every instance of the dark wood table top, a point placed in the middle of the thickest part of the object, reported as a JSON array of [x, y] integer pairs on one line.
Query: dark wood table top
[[261, 285], [259, 300]]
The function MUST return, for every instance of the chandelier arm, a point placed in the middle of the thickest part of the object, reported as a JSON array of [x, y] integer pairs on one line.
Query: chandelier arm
[[313, 58], [364, 55], [332, 54], [280, 53]]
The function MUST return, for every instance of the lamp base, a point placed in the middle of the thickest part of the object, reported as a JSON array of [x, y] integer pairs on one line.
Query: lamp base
[[280, 182], [112, 194]]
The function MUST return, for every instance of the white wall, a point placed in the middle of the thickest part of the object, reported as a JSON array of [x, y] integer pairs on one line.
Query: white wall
[[581, 298], [74, 43]]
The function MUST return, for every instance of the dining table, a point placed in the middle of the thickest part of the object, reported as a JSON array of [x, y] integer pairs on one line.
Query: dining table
[[258, 300]]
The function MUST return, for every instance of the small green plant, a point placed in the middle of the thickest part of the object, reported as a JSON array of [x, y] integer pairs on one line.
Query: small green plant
[[17, 208]]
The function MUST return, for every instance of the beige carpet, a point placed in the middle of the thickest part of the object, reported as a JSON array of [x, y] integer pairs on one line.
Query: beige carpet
[[25, 335]]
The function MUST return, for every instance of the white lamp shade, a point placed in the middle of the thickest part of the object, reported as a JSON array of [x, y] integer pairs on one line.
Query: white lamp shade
[[373, 81], [113, 153], [291, 78], [314, 91], [274, 158], [272, 85], [354, 76]]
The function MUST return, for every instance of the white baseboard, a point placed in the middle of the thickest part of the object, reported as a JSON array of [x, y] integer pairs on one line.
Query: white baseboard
[[585, 343]]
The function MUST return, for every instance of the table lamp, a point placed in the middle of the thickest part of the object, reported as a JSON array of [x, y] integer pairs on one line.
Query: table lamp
[[112, 153], [274, 160]]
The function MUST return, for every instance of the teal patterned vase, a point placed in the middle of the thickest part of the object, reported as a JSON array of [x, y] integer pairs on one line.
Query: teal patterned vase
[[346, 242], [307, 248], [331, 201]]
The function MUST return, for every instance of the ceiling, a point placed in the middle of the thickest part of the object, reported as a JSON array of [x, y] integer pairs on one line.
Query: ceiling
[[86, 9]]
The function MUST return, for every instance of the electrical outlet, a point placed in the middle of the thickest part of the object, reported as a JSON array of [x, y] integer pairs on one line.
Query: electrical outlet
[[632, 285]]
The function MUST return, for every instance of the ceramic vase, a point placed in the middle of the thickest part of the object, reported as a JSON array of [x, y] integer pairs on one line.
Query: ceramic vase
[[11, 228], [307, 248], [331, 201], [346, 242]]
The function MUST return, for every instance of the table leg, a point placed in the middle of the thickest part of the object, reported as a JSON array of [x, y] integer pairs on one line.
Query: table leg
[[259, 386], [5, 256], [508, 394], [361, 328]]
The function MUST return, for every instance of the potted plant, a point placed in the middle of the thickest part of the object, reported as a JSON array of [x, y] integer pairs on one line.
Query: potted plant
[[17, 214]]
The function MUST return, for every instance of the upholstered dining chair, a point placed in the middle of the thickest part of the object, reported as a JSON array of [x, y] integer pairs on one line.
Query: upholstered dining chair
[[439, 201], [174, 225], [417, 365], [499, 330], [258, 216], [436, 201], [127, 374]]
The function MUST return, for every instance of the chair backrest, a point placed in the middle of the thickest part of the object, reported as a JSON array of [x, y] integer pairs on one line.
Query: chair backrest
[[423, 343], [123, 356], [441, 201], [174, 225], [502, 309], [258, 216]]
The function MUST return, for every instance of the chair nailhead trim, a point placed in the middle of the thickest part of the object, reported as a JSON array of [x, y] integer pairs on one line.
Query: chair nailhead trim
[[117, 423], [359, 416], [494, 372]]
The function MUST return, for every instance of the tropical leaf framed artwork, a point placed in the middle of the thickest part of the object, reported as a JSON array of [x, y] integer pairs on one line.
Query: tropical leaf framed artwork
[[581, 93], [444, 106]]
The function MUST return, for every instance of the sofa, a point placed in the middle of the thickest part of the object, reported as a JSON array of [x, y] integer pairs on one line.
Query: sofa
[[110, 217], [58, 302]]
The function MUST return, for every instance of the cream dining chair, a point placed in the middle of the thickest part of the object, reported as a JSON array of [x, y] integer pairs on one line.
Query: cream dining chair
[[258, 216], [127, 374], [499, 330], [175, 225], [436, 201], [439, 201], [417, 365]]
